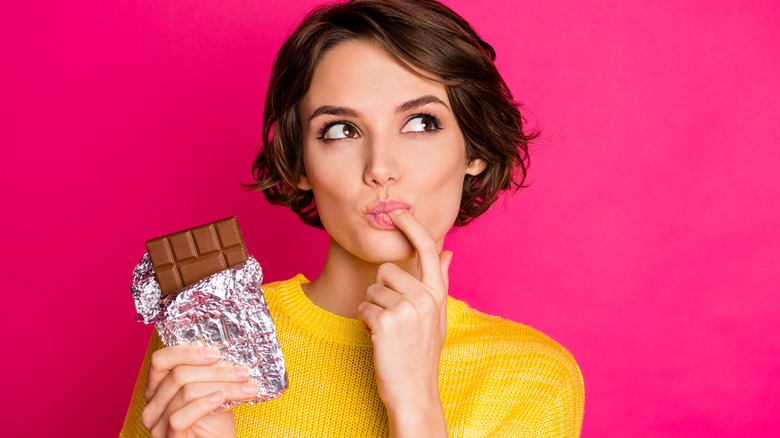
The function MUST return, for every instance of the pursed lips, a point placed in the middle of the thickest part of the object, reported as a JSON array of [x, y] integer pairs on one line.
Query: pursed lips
[[379, 214]]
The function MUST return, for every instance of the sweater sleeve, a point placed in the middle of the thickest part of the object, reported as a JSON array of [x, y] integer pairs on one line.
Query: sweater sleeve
[[558, 391], [565, 414], [133, 428], [504, 379]]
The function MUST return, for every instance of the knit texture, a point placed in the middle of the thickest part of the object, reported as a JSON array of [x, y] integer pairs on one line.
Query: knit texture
[[497, 378]]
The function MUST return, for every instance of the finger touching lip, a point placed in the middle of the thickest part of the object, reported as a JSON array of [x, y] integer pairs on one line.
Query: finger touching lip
[[379, 213], [427, 249]]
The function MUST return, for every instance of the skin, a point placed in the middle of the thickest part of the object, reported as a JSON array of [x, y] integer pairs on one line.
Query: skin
[[373, 131]]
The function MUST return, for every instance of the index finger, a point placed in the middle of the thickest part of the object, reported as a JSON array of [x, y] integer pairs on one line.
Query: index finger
[[164, 360], [423, 243]]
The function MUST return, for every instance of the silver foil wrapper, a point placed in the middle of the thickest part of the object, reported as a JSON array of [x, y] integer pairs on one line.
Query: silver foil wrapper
[[226, 311]]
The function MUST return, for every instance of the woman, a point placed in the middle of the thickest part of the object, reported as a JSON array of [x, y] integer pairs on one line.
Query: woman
[[386, 122]]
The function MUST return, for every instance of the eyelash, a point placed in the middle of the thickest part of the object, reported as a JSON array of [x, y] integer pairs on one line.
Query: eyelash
[[327, 126], [434, 119], [324, 129]]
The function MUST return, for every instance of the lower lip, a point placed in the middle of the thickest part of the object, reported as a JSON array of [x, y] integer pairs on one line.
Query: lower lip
[[382, 221]]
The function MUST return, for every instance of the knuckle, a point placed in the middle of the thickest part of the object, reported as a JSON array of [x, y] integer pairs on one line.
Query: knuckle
[[147, 418], [384, 269], [148, 394], [225, 372], [176, 422], [406, 309], [385, 321], [363, 310], [156, 359], [176, 377], [187, 393], [427, 246], [425, 303], [373, 289]]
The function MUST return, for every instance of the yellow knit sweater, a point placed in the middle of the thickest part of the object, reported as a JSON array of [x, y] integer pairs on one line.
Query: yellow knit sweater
[[497, 378]]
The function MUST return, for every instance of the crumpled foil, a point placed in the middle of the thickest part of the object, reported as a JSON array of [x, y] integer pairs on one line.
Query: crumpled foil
[[226, 311]]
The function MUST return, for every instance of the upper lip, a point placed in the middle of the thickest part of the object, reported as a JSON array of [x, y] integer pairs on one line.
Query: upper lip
[[384, 207]]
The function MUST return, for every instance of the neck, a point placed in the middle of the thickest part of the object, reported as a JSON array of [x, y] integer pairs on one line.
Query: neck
[[342, 284]]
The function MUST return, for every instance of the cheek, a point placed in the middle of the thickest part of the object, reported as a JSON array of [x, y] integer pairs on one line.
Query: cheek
[[332, 191], [320, 173], [442, 200]]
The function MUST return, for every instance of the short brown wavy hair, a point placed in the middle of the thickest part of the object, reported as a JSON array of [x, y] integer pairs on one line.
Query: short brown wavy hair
[[421, 35]]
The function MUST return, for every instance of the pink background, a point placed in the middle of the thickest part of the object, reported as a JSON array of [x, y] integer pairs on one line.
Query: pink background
[[647, 243]]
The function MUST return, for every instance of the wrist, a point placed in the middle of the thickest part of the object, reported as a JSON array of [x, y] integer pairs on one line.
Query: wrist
[[423, 418]]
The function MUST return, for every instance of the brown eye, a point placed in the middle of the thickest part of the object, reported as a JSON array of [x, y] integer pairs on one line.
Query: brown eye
[[338, 131], [421, 123]]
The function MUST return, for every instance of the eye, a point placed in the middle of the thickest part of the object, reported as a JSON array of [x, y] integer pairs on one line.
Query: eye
[[338, 130], [421, 123]]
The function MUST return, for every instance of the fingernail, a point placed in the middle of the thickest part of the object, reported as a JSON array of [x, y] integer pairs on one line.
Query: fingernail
[[249, 388], [397, 212], [240, 373], [210, 354], [216, 396]]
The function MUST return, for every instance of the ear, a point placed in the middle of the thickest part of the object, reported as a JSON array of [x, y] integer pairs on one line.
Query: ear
[[475, 167], [303, 183]]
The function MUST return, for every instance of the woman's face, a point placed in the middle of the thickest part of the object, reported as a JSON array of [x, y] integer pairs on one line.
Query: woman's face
[[377, 138]]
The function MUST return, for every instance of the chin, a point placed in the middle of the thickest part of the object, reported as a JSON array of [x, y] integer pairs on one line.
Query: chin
[[395, 248]]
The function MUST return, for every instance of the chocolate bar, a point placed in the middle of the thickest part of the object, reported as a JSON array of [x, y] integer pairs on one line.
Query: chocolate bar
[[182, 258]]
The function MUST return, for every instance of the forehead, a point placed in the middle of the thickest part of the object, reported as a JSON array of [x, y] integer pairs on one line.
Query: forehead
[[362, 75]]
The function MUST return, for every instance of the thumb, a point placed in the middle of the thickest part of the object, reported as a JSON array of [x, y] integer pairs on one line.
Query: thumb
[[445, 259]]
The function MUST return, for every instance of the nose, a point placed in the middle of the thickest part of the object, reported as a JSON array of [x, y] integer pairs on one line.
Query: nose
[[381, 163]]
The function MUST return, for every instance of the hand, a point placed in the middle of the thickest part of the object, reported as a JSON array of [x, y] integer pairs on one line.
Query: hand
[[184, 385], [407, 319]]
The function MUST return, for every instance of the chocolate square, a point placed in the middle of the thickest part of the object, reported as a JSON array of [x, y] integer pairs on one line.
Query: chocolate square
[[184, 257]]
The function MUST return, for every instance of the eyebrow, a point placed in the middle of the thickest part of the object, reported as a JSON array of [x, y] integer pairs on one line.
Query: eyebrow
[[334, 111], [420, 101], [344, 111]]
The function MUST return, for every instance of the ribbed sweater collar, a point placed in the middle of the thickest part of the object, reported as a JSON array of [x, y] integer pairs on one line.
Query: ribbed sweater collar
[[302, 312]]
